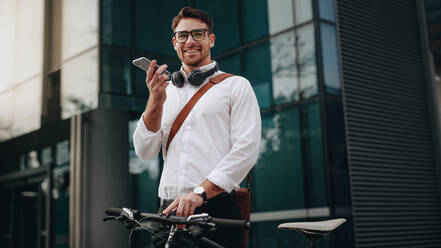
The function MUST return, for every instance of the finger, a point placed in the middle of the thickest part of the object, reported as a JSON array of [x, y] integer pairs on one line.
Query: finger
[[186, 209], [163, 86], [162, 79], [151, 70], [161, 69], [192, 209], [180, 207], [170, 207], [156, 82]]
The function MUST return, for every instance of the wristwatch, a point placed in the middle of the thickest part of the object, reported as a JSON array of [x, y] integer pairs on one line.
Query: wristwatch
[[199, 190]]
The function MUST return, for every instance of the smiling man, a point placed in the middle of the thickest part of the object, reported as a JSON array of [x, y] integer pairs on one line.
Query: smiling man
[[217, 144]]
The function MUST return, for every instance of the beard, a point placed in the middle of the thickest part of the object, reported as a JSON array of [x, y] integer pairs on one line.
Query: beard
[[193, 63], [192, 60]]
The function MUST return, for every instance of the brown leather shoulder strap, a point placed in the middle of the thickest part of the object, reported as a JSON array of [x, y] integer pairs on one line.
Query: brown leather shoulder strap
[[189, 106]]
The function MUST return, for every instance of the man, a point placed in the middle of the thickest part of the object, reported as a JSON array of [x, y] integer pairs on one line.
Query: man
[[219, 141]]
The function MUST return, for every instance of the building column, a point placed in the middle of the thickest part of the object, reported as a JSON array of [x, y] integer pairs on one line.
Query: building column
[[99, 177]]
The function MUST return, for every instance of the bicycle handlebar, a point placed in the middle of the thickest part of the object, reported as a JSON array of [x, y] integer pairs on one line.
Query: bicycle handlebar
[[174, 220]]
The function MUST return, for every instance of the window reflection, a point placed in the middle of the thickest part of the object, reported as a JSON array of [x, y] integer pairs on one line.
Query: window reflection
[[307, 69], [280, 15], [303, 11], [80, 26], [280, 163], [326, 9], [283, 67], [79, 84], [293, 65], [331, 71]]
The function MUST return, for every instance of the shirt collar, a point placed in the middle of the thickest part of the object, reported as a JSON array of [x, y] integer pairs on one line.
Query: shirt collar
[[202, 68]]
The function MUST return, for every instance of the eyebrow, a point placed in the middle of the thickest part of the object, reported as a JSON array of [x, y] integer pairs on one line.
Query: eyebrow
[[191, 30]]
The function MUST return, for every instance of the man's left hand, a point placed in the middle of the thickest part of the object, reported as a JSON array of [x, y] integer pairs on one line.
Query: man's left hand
[[185, 205]]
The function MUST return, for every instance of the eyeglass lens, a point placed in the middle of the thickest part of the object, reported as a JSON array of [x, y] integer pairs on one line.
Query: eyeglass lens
[[197, 34]]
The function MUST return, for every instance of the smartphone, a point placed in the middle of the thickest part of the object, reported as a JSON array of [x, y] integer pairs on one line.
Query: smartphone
[[144, 63]]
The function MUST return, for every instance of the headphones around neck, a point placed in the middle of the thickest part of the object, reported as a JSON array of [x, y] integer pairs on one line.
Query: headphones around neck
[[196, 77]]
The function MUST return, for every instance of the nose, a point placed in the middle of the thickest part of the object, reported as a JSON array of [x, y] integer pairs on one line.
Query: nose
[[190, 39]]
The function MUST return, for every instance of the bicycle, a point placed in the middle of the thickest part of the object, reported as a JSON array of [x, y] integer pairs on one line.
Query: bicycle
[[196, 225]]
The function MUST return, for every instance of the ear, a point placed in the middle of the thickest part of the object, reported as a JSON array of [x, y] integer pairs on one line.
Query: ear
[[174, 43], [212, 38]]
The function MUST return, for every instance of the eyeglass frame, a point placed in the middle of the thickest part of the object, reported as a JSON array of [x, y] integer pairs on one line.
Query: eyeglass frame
[[191, 32]]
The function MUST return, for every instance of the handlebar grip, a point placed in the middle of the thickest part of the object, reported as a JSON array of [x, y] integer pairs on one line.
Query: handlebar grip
[[231, 223], [113, 211]]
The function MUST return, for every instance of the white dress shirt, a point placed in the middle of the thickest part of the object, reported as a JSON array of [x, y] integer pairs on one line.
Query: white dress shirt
[[219, 140]]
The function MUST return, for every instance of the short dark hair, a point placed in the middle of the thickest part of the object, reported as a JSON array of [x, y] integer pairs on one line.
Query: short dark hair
[[188, 12]]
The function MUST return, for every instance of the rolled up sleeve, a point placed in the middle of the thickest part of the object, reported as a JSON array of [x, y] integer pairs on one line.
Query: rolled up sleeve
[[147, 143], [245, 136]]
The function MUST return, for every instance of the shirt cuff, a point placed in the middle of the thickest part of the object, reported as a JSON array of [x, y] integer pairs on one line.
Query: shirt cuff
[[222, 181], [143, 131]]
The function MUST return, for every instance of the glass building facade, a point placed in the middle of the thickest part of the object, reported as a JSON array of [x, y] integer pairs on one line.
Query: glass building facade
[[62, 60]]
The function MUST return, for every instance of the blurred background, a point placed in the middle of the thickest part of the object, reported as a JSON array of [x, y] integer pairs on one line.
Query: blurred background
[[349, 92]]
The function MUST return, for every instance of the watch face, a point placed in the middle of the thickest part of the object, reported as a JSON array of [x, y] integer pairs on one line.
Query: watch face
[[199, 190]]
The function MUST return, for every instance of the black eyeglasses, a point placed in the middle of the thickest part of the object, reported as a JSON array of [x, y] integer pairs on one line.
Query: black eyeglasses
[[197, 34]]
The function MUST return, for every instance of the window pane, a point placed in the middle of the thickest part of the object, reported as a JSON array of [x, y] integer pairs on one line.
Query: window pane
[[80, 26], [6, 115], [331, 70], [7, 43], [326, 9], [153, 25], [115, 22], [226, 23], [257, 69], [280, 15], [26, 106], [79, 84], [337, 148], [115, 72], [145, 177], [315, 162], [303, 11], [28, 39], [230, 64], [265, 234], [280, 164], [283, 67], [60, 194], [307, 61], [254, 16], [62, 153]]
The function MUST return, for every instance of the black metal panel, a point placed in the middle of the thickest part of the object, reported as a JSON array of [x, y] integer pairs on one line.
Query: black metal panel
[[390, 149]]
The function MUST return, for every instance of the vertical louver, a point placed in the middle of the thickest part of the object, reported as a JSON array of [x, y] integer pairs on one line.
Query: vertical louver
[[394, 186]]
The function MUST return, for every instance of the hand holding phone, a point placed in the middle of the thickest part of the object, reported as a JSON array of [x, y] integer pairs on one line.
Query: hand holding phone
[[144, 63]]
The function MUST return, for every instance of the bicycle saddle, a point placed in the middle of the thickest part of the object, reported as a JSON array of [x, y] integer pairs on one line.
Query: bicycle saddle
[[313, 227]]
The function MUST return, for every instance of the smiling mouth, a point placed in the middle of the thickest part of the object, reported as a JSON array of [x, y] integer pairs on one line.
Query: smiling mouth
[[192, 51]]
